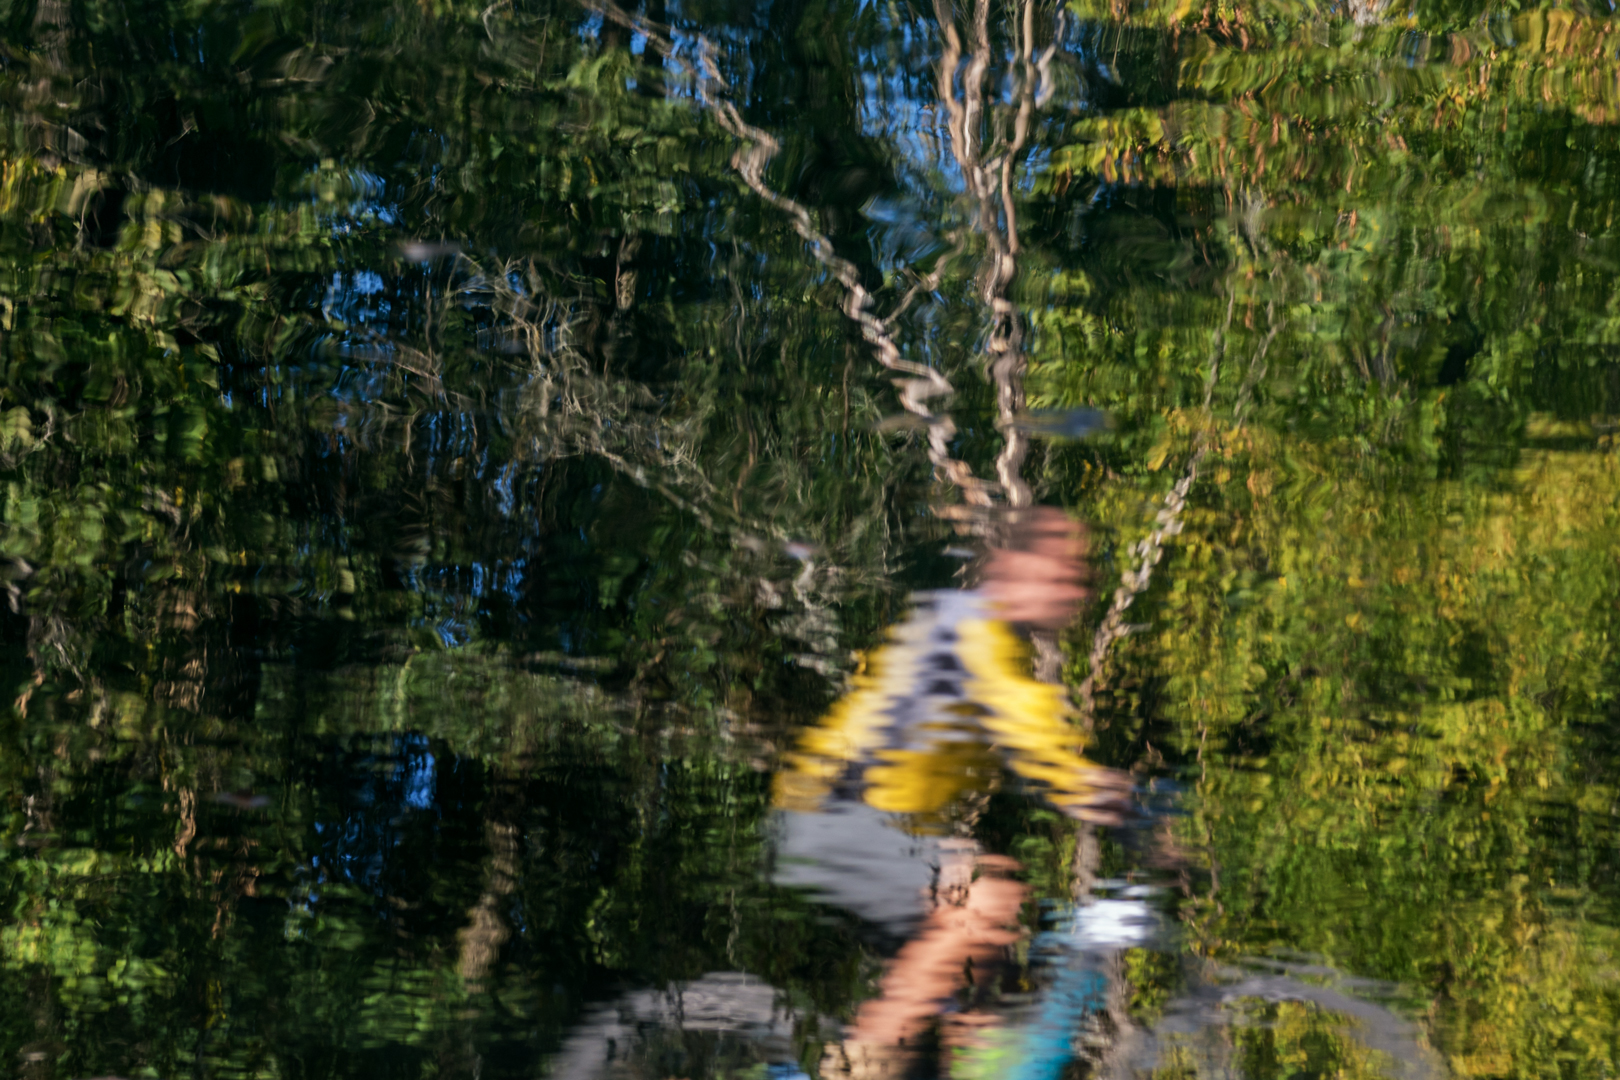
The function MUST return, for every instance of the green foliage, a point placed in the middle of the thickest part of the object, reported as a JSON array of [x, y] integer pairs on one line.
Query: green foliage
[[391, 470], [1380, 648], [414, 437]]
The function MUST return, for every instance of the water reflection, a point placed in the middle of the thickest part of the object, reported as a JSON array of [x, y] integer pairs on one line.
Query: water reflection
[[1236, 1018], [536, 538]]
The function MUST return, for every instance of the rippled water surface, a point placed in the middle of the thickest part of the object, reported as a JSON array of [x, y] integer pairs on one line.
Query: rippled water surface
[[809, 539]]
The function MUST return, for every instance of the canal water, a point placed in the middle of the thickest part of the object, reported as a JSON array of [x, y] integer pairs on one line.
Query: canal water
[[821, 538]]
